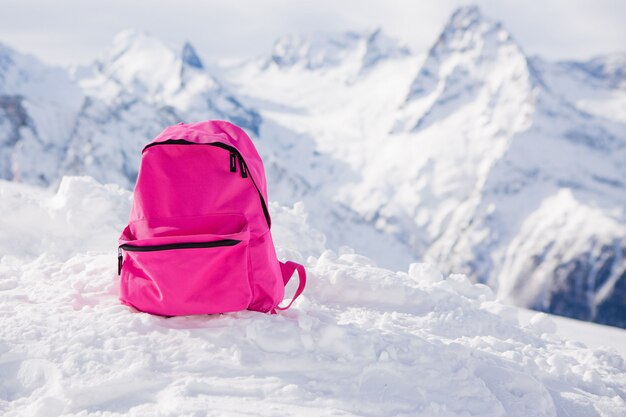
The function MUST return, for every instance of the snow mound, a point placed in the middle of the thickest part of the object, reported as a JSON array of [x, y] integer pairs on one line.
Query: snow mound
[[362, 340], [81, 216]]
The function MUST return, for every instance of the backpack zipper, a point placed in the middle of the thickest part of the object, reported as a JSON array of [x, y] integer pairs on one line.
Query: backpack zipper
[[171, 246], [242, 167], [235, 156], [233, 161]]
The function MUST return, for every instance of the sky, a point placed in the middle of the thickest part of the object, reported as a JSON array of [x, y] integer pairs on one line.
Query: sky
[[70, 32]]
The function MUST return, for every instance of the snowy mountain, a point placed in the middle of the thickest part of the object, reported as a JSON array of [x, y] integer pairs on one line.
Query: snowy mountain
[[139, 86], [361, 340], [539, 158], [473, 156], [327, 50], [96, 120], [38, 109]]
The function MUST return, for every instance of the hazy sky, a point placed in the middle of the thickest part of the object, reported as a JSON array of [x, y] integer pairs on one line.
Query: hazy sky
[[76, 31]]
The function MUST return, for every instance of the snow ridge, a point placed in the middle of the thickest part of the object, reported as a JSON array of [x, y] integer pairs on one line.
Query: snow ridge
[[324, 51], [472, 54]]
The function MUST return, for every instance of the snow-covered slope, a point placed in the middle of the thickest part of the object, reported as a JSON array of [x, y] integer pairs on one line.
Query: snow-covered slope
[[472, 156], [328, 50], [361, 340], [96, 120], [597, 86], [545, 196], [545, 210], [138, 87], [38, 109]]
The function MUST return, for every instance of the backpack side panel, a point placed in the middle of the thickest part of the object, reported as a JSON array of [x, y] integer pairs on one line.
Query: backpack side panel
[[266, 278]]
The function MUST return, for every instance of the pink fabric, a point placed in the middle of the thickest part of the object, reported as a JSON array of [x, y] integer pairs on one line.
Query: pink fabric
[[220, 131], [188, 195]]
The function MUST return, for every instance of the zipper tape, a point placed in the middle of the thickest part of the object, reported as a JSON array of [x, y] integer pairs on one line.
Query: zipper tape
[[170, 246]]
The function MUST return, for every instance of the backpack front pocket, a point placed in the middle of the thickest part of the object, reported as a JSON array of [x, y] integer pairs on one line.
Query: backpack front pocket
[[183, 275]]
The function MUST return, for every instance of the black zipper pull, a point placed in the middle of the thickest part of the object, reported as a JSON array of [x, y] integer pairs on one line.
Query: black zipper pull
[[119, 261], [233, 162], [242, 167]]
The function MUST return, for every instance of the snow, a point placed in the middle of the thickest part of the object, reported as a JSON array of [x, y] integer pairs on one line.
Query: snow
[[562, 212], [321, 51], [595, 336], [597, 86], [362, 340]]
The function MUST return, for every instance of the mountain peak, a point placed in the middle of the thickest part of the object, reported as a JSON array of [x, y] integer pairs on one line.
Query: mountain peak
[[465, 16], [313, 51], [323, 50], [129, 35], [473, 54], [139, 48], [142, 63], [132, 39], [190, 57], [469, 30], [379, 46], [473, 44]]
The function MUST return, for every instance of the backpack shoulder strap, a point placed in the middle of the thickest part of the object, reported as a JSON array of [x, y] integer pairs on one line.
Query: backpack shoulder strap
[[287, 269]]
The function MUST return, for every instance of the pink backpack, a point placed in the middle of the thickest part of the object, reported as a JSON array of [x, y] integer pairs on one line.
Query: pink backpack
[[198, 239]]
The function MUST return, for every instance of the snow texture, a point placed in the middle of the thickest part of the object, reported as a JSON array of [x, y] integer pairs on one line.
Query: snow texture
[[361, 341]]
